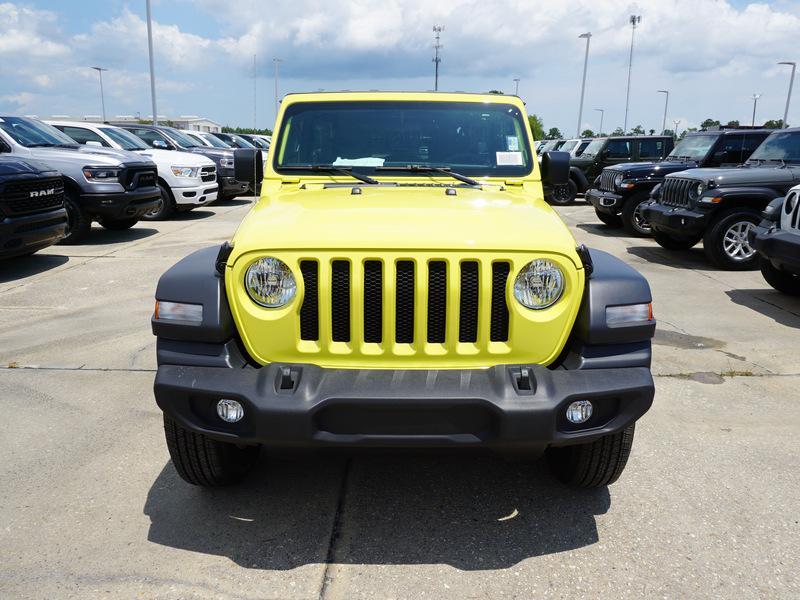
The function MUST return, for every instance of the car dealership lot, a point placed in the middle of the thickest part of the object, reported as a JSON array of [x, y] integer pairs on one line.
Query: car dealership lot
[[90, 505]]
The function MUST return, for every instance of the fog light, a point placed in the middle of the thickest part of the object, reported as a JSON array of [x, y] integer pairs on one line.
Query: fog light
[[579, 412], [231, 411]]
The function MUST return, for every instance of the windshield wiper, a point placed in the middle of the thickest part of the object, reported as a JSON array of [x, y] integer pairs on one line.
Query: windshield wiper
[[43, 145], [428, 169], [331, 169]]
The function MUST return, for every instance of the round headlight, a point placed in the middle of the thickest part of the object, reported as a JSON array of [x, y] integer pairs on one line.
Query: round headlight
[[698, 191], [270, 282], [791, 202], [539, 284], [618, 180]]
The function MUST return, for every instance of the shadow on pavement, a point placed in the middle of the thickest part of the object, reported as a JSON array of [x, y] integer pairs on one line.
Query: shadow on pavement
[[779, 307], [602, 229], [239, 200], [694, 258], [99, 236], [12, 269], [191, 215], [472, 513]]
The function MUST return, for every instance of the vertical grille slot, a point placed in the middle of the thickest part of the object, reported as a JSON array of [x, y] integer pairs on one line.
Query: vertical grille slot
[[499, 322], [404, 285], [340, 301], [468, 311], [437, 301], [309, 311], [373, 298]]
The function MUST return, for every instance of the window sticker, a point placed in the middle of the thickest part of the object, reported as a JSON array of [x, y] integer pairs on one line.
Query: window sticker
[[512, 143], [508, 158], [368, 161]]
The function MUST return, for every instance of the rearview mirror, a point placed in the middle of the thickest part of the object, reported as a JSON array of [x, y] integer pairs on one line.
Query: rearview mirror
[[555, 168], [161, 145], [94, 143], [248, 166]]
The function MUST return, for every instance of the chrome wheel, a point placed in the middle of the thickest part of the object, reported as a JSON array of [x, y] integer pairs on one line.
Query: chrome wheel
[[735, 243], [639, 222], [156, 210]]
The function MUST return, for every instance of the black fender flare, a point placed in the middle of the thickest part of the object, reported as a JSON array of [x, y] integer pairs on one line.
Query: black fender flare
[[579, 177], [754, 197]]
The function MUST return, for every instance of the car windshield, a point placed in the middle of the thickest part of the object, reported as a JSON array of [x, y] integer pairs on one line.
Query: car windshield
[[241, 142], [783, 146], [125, 139], [181, 139], [472, 138], [594, 147], [694, 147], [32, 133], [568, 145], [213, 140]]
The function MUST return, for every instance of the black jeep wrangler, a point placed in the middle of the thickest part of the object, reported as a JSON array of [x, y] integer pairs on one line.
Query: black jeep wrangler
[[621, 190], [604, 152], [32, 214], [721, 206], [777, 241]]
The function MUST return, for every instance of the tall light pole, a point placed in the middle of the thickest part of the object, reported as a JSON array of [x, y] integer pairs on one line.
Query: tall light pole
[[675, 131], [587, 36], [755, 103], [634, 21], [437, 30], [276, 62], [102, 96], [516, 86], [666, 103], [789, 95], [152, 64], [602, 114]]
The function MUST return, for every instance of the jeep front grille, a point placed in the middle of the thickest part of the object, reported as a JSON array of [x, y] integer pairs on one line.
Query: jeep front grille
[[32, 196], [607, 180], [675, 191]]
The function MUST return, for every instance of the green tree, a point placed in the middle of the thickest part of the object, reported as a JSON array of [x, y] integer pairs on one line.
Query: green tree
[[537, 128], [733, 123], [709, 123], [638, 130], [669, 132], [587, 133], [248, 130], [774, 124], [652, 132], [618, 131], [554, 133], [685, 131]]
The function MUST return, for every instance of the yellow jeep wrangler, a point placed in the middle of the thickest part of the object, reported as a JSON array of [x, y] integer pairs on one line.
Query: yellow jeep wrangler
[[401, 283]]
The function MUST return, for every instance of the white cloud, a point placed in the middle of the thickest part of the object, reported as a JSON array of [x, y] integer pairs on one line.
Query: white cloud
[[27, 33]]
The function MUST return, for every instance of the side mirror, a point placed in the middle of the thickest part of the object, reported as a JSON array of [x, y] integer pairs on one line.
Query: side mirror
[[161, 145], [555, 168], [248, 166], [94, 143]]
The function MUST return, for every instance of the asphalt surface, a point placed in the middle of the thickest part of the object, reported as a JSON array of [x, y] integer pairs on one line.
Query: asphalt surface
[[90, 505]]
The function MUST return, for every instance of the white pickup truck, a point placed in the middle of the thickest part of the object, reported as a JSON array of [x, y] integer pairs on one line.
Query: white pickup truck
[[186, 180]]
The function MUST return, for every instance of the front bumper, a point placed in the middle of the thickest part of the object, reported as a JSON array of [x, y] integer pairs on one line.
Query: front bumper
[[676, 221], [229, 187], [197, 195], [306, 406], [20, 235], [778, 246], [606, 202], [121, 205]]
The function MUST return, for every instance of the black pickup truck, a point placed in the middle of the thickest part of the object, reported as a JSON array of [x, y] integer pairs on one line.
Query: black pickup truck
[[621, 190], [32, 214], [722, 206]]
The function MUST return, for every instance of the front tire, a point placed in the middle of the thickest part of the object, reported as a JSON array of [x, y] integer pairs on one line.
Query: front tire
[[564, 194], [613, 221], [165, 208], [118, 224], [670, 243], [788, 283], [725, 242], [79, 223], [592, 465], [203, 461], [632, 218]]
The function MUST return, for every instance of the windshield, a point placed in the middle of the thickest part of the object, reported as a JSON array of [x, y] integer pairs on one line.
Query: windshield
[[32, 133], [568, 145], [548, 146], [240, 142], [213, 140], [594, 147], [472, 138], [125, 139], [695, 147], [779, 146], [181, 139]]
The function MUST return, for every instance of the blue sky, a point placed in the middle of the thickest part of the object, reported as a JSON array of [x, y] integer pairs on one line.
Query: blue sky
[[711, 54]]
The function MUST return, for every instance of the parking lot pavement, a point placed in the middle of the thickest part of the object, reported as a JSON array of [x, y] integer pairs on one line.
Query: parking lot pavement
[[91, 506]]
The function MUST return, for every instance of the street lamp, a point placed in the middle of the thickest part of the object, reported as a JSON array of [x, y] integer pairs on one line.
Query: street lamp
[[602, 112], [675, 131], [102, 96], [516, 86], [755, 103], [789, 95], [152, 64], [587, 36], [666, 102], [634, 21]]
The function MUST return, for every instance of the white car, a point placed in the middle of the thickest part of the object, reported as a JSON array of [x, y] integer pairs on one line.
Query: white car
[[186, 180], [205, 138]]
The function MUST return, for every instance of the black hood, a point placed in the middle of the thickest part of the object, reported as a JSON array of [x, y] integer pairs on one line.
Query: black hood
[[747, 176], [655, 170], [12, 167]]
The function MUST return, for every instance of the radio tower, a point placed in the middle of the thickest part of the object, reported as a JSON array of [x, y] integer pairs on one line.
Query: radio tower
[[437, 29]]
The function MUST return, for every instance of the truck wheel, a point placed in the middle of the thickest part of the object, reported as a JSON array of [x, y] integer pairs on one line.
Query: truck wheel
[[613, 221], [118, 224], [200, 460], [725, 242], [671, 243], [79, 223], [632, 218], [788, 283], [563, 194], [165, 208], [592, 465]]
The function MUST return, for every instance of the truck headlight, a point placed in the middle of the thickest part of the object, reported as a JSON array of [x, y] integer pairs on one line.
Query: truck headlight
[[101, 174], [539, 284], [698, 191], [270, 283], [226, 163], [790, 203], [618, 180], [185, 171]]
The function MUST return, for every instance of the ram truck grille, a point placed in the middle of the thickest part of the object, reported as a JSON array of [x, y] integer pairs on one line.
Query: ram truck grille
[[135, 178], [675, 191], [32, 196], [208, 174], [607, 180]]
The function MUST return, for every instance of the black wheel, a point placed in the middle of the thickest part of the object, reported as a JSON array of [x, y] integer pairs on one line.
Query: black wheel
[[592, 465], [79, 223], [632, 218], [671, 243], [563, 194], [613, 221], [165, 208], [119, 224], [725, 241], [788, 283], [200, 460]]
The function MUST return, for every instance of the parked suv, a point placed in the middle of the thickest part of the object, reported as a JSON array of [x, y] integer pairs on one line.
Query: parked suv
[[777, 241], [576, 146], [113, 187], [234, 140], [395, 291], [257, 140], [205, 138], [621, 190], [721, 206], [604, 152], [185, 180], [169, 138], [32, 214]]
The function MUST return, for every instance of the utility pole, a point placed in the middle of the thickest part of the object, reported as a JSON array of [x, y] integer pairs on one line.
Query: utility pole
[[255, 90], [666, 102], [634, 21], [102, 96], [789, 95], [588, 36], [755, 103], [602, 112], [677, 122], [152, 64], [437, 30], [516, 86], [276, 61]]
